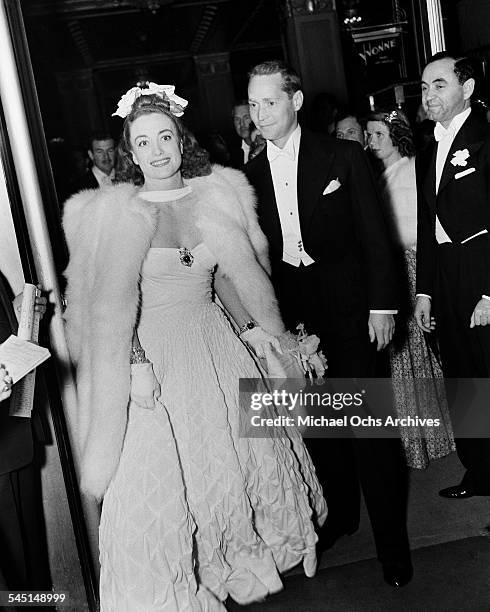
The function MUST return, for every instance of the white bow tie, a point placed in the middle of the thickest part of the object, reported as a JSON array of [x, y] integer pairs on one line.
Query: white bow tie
[[274, 153], [441, 132]]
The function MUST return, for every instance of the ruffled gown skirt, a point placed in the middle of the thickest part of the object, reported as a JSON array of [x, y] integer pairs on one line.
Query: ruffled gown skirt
[[196, 513]]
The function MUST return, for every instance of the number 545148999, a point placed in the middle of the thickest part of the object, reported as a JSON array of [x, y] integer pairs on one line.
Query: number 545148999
[[32, 598]]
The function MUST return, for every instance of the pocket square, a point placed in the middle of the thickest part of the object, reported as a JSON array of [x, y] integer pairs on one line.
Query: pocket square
[[459, 175], [332, 186]]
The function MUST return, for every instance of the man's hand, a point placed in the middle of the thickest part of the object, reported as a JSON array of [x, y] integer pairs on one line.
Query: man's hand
[[381, 328], [481, 314], [5, 383], [422, 314], [39, 304]]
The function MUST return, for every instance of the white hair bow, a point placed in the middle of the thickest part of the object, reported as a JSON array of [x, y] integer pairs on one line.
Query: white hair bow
[[166, 92]]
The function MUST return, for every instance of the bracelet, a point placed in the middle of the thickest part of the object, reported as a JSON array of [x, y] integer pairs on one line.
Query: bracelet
[[137, 355], [246, 326]]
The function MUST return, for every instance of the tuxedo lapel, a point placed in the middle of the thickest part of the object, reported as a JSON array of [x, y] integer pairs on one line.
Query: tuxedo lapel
[[267, 205], [314, 164], [468, 137], [428, 164]]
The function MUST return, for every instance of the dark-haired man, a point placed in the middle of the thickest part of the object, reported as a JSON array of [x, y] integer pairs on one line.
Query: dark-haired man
[[453, 247], [241, 122], [332, 270], [101, 152]]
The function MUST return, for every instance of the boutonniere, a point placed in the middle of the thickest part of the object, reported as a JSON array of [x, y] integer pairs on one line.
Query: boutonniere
[[460, 157]]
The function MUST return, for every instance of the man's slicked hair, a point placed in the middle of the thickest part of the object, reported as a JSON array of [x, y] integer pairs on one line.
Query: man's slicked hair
[[98, 136], [291, 83], [464, 68]]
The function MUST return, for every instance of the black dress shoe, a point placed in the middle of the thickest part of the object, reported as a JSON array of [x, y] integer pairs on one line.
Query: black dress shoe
[[397, 574], [460, 491]]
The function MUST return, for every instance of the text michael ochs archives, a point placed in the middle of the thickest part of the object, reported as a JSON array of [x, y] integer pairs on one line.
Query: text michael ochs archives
[[336, 401]]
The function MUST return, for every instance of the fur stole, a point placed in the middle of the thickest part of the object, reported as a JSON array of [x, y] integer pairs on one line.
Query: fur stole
[[109, 232]]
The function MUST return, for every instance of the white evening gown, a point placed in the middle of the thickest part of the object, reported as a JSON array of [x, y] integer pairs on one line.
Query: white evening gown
[[195, 513]]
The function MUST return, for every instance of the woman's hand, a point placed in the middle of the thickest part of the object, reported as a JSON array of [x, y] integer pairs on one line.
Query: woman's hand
[[145, 388], [260, 341], [5, 383]]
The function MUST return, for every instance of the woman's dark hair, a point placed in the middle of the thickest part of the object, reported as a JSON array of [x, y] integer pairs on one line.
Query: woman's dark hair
[[399, 128], [194, 160]]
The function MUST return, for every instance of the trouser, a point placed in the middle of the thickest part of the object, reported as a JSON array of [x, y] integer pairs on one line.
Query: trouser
[[346, 465], [462, 273], [23, 558]]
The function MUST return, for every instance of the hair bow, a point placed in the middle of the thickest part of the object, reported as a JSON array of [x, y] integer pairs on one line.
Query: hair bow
[[166, 92]]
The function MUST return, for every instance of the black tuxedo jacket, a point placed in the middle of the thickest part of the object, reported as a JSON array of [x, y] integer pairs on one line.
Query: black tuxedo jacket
[[237, 157], [462, 202], [16, 448], [343, 231]]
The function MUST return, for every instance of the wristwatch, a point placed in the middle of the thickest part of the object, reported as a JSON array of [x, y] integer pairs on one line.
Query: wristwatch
[[248, 325]]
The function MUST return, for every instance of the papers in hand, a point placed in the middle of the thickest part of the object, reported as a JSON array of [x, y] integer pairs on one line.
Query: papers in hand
[[22, 399], [21, 357]]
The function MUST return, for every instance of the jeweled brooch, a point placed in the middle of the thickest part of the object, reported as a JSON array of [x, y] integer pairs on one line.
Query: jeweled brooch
[[186, 257]]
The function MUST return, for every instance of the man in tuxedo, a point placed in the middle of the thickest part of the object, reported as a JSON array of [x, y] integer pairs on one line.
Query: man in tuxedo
[[24, 561], [101, 152], [453, 248], [332, 270]]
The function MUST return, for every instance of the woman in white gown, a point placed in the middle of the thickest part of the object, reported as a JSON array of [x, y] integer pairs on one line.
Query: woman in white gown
[[192, 512]]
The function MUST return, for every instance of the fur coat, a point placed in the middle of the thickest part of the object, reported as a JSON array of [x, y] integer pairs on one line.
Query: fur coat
[[109, 232]]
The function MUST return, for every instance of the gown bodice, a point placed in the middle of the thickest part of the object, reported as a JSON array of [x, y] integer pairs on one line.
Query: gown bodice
[[177, 279]]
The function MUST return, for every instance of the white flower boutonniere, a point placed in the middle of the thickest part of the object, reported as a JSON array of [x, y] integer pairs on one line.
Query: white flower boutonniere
[[460, 157]]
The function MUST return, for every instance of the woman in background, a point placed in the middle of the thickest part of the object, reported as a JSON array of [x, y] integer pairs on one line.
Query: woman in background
[[416, 373]]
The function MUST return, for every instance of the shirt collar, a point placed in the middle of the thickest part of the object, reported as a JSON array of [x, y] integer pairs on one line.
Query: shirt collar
[[102, 177], [246, 150], [290, 149], [453, 128]]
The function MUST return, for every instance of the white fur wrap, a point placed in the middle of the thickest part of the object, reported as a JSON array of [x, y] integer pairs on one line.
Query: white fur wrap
[[109, 232]]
